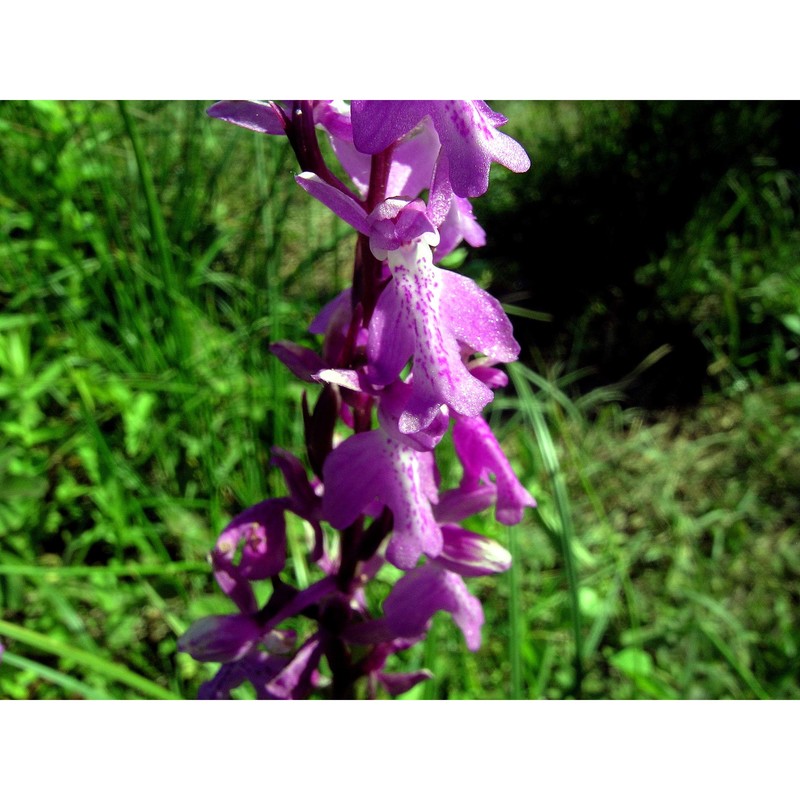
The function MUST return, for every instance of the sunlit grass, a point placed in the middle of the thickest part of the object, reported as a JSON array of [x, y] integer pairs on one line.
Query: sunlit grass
[[148, 256]]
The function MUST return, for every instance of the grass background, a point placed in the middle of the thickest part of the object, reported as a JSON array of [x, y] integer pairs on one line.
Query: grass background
[[651, 264]]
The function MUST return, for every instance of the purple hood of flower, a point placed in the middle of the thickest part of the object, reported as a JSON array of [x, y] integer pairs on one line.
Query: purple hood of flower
[[466, 129], [252, 547]]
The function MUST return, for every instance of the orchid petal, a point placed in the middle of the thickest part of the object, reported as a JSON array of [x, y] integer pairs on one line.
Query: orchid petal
[[394, 401], [482, 456], [475, 318], [423, 591], [457, 504], [220, 638], [303, 499], [346, 378], [493, 378], [256, 667], [471, 142], [377, 124], [251, 114], [459, 224], [391, 340], [470, 554], [398, 683], [466, 130], [420, 306], [302, 361], [336, 311], [261, 533], [337, 201], [294, 680]]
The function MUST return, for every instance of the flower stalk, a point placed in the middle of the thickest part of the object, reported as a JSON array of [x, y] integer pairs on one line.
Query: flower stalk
[[408, 355]]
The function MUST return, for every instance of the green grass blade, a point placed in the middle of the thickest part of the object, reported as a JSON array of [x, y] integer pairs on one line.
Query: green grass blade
[[157, 223], [92, 662], [53, 676], [117, 570], [515, 618], [172, 300], [741, 669], [531, 408]]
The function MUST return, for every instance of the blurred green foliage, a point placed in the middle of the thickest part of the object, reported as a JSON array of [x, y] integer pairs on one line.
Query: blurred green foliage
[[148, 255], [736, 276]]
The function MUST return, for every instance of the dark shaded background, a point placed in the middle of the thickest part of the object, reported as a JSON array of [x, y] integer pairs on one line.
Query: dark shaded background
[[574, 234]]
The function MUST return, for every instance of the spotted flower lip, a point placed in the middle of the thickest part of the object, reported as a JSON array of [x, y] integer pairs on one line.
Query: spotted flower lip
[[399, 477], [430, 314], [424, 312]]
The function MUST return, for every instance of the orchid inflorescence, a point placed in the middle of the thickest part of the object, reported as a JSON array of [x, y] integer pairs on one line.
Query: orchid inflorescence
[[379, 485]]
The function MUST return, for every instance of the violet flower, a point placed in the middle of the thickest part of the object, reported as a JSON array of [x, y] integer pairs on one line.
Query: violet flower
[[410, 346], [399, 477], [466, 129], [482, 457], [425, 312], [425, 590]]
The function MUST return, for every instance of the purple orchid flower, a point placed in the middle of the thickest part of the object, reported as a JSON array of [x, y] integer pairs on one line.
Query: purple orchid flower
[[423, 591], [370, 467], [481, 455], [253, 649], [412, 346], [466, 129], [425, 312], [431, 314], [252, 547]]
